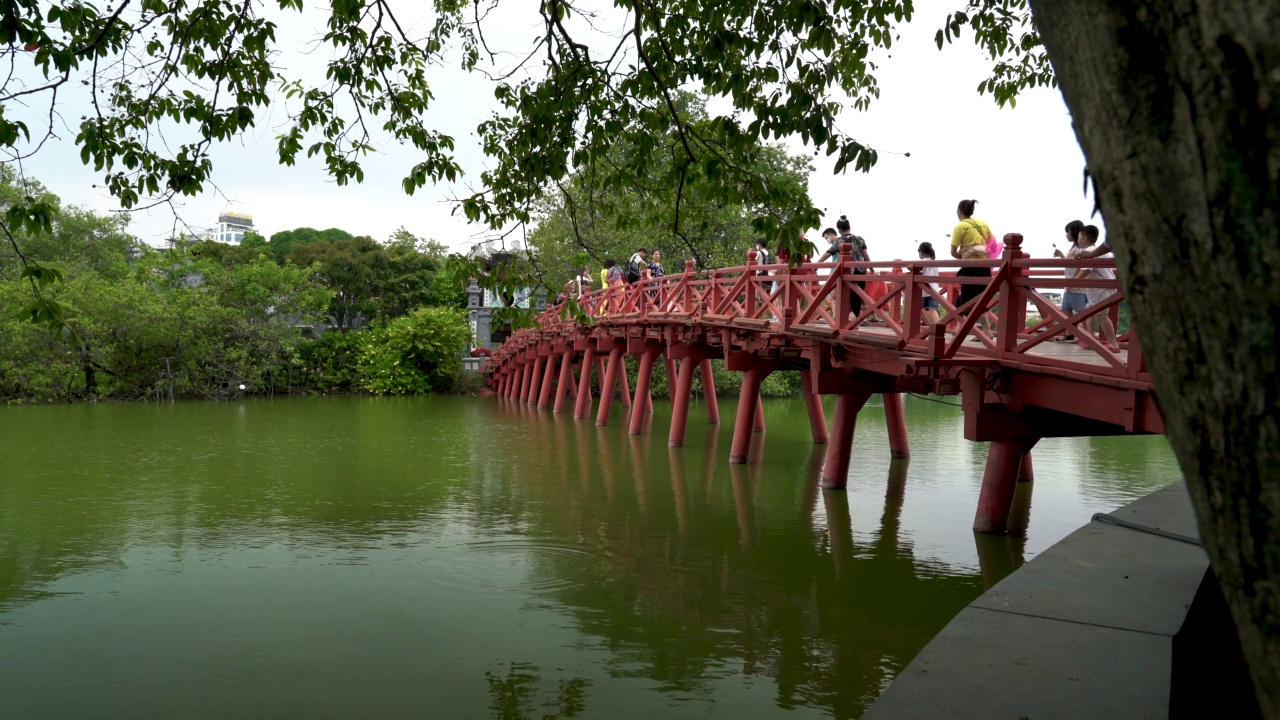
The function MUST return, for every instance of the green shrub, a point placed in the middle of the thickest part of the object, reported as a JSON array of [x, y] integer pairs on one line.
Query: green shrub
[[329, 364], [417, 353]]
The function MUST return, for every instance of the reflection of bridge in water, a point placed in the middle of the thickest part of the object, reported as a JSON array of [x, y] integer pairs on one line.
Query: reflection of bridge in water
[[854, 335], [709, 569]]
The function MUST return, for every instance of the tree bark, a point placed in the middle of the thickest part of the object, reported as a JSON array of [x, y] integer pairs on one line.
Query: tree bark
[[1176, 104]]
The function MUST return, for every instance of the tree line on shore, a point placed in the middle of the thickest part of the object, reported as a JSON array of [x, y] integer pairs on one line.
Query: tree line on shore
[[332, 312]]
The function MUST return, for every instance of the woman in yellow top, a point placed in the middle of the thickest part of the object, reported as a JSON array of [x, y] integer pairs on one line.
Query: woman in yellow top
[[969, 242]]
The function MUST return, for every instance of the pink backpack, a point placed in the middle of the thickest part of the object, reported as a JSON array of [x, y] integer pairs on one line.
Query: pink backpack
[[995, 248]]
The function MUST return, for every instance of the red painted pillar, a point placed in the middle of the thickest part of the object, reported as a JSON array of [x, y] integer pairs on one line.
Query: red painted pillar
[[548, 375], [583, 404], [626, 384], [680, 403], [1026, 472], [813, 403], [759, 419], [534, 379], [1004, 458], [897, 424], [525, 372], [566, 380], [643, 380], [672, 371], [835, 473], [709, 389], [748, 403], [607, 386]]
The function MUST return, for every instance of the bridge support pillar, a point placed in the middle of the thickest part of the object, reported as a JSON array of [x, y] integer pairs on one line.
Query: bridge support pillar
[[566, 379], [897, 424], [682, 386], [1026, 473], [813, 403], [709, 390], [534, 380], [835, 473], [624, 382], [582, 405], [548, 376], [643, 380], [608, 384], [759, 420], [525, 371], [748, 404], [999, 482]]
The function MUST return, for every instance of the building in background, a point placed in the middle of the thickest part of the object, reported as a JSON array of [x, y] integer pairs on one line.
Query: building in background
[[232, 227]]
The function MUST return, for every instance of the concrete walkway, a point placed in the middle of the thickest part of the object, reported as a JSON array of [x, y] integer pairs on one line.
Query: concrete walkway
[[1085, 630]]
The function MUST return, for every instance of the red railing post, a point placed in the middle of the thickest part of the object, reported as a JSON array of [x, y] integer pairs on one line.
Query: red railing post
[[895, 305], [642, 293], [750, 286], [841, 271], [1013, 309], [914, 292], [686, 302]]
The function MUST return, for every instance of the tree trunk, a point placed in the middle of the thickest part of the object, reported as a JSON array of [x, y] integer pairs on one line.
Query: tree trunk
[[1177, 107]]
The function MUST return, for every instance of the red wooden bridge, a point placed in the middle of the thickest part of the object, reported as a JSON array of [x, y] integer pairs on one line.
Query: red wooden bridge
[[1017, 385]]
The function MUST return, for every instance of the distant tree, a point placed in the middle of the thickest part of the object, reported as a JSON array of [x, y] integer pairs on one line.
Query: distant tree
[[282, 242], [356, 270], [228, 255], [417, 276], [254, 240], [603, 212], [78, 239]]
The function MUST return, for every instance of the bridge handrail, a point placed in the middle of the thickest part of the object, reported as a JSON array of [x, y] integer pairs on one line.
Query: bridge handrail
[[804, 300]]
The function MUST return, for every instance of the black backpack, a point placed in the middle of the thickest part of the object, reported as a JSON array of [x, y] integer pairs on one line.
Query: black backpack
[[763, 258], [634, 267]]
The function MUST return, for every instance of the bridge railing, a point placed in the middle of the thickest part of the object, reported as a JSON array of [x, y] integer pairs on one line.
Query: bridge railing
[[819, 300]]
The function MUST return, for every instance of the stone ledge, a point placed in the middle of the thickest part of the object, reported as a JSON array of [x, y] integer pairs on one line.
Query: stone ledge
[[1085, 630]]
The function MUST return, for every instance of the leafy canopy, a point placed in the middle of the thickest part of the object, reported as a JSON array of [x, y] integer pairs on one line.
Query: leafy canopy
[[166, 79]]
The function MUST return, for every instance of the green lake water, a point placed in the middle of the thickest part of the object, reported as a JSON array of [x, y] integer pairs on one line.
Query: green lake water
[[474, 558]]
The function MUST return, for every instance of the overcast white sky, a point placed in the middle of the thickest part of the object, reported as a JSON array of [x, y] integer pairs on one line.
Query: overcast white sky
[[1023, 165]]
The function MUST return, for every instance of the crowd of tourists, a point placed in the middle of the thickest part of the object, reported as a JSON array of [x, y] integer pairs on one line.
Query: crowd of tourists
[[971, 239]]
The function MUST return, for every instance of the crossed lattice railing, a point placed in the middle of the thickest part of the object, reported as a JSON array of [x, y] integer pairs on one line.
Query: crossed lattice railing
[[882, 304]]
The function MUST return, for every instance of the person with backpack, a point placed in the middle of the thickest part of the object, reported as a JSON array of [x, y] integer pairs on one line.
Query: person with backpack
[[860, 254], [762, 255], [636, 266]]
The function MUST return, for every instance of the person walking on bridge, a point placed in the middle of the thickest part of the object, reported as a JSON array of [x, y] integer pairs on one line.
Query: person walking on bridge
[[860, 254], [969, 242], [930, 304], [1087, 241], [1073, 299], [636, 266], [610, 276]]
